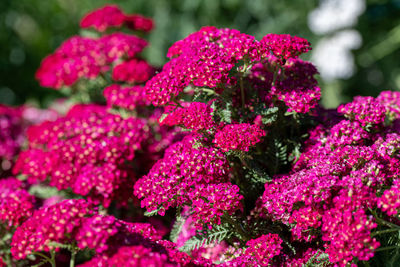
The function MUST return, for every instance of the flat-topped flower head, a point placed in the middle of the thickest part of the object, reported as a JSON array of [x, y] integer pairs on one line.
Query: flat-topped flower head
[[139, 23], [125, 97], [211, 202], [132, 71], [389, 202], [391, 101], [183, 167], [364, 109], [238, 136], [86, 151], [203, 59], [297, 87], [16, 204], [54, 223], [284, 46], [195, 115], [264, 248], [103, 18], [111, 16], [84, 57]]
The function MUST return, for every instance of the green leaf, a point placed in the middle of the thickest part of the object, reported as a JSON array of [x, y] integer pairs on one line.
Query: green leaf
[[256, 174], [295, 153], [177, 228], [215, 235], [226, 113], [42, 191], [316, 260], [280, 151], [69, 247], [152, 213], [269, 115], [22, 177], [163, 116], [40, 263]]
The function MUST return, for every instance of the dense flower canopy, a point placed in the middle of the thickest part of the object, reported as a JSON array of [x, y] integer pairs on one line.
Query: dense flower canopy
[[221, 157]]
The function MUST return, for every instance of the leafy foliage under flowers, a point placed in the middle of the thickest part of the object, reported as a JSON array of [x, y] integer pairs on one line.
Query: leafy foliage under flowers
[[228, 134]]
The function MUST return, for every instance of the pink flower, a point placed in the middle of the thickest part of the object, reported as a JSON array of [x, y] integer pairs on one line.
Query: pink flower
[[139, 23], [125, 97], [366, 110], [54, 223], [263, 249], [132, 71], [103, 18], [203, 59], [238, 136], [284, 46], [196, 116]]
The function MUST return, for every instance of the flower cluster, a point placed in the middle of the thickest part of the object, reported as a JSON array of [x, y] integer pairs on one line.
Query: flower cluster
[[193, 176], [102, 18], [366, 110], [134, 256], [347, 218], [285, 46], [73, 221], [264, 248], [206, 58], [238, 136], [16, 204], [49, 225], [112, 16], [132, 71], [84, 57], [389, 202], [390, 100], [221, 198], [91, 57], [336, 181], [86, 151], [124, 97], [297, 87], [13, 124], [203, 59], [196, 116], [322, 188], [11, 132]]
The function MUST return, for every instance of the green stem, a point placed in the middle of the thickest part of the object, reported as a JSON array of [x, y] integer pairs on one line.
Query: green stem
[[276, 72], [7, 259], [177, 103], [385, 231], [43, 256], [383, 222], [211, 92], [242, 90], [53, 258], [72, 261], [242, 72], [386, 248]]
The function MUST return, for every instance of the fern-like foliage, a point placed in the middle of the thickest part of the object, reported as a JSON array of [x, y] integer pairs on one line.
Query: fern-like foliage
[[177, 228], [69, 247], [318, 260], [42, 191], [226, 113], [388, 254], [205, 237], [152, 213]]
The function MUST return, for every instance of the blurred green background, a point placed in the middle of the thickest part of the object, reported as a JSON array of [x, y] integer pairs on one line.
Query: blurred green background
[[31, 29]]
